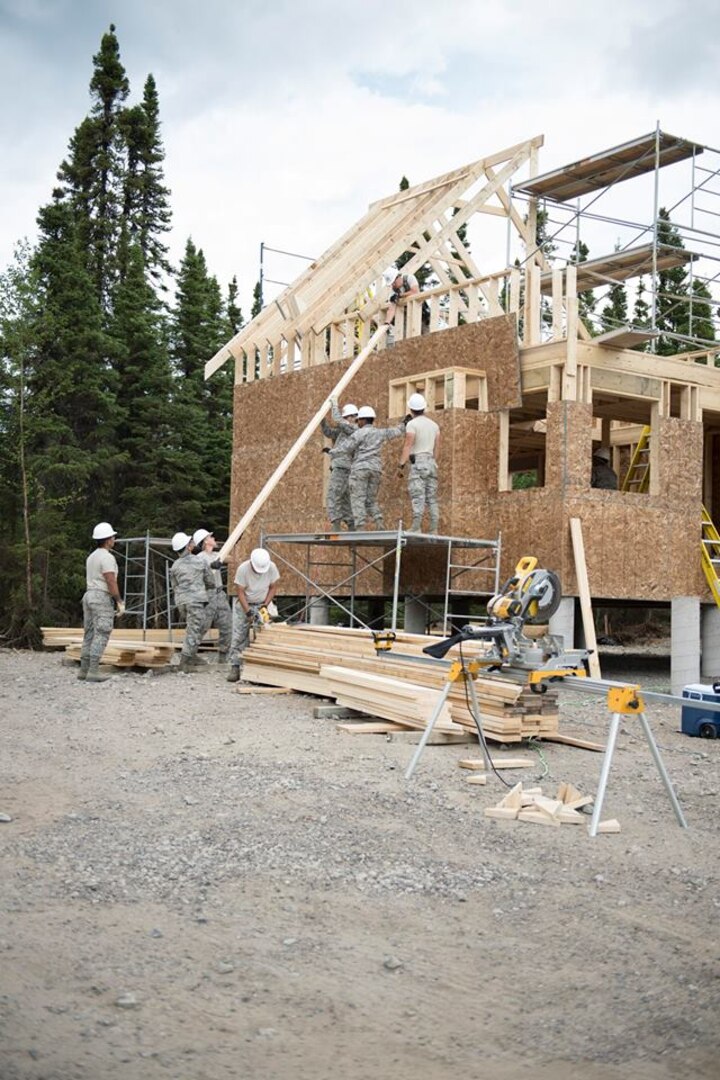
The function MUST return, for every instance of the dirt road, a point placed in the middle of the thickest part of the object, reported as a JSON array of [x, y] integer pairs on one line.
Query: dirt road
[[199, 885]]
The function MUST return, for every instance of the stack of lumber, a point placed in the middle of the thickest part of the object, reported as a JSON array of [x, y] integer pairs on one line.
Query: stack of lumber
[[294, 656], [394, 699], [126, 648]]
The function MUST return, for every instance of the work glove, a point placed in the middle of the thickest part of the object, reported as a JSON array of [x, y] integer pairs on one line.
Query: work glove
[[216, 564], [326, 449], [119, 608]]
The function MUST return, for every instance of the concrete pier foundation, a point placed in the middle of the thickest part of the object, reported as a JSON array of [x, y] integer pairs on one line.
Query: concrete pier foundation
[[710, 640], [685, 642], [562, 622]]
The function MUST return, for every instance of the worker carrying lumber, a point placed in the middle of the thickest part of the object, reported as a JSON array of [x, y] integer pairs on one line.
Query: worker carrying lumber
[[101, 602], [422, 441], [192, 581], [217, 612], [339, 509], [602, 474], [404, 286], [256, 583], [364, 448]]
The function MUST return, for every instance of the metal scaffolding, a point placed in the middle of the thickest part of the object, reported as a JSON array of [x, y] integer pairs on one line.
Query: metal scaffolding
[[356, 560], [145, 572], [690, 186]]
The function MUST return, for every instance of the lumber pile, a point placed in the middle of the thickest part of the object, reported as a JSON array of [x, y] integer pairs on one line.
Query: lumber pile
[[394, 699], [126, 648], [295, 656]]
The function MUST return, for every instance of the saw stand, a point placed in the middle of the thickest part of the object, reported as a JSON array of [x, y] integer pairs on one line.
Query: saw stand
[[627, 701], [467, 670]]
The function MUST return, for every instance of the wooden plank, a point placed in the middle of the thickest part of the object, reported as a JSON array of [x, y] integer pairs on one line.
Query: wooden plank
[[263, 690], [584, 592], [369, 727], [571, 740]]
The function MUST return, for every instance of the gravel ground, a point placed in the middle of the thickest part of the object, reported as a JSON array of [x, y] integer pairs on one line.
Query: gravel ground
[[201, 885]]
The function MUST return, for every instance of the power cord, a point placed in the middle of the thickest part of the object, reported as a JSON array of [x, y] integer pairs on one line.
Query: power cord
[[478, 725]]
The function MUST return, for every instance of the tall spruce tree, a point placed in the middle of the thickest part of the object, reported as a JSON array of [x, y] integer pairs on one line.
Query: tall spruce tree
[[71, 415], [93, 173], [203, 427], [145, 433], [146, 207], [615, 312]]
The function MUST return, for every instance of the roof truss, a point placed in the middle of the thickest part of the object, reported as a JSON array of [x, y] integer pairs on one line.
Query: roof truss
[[425, 219]]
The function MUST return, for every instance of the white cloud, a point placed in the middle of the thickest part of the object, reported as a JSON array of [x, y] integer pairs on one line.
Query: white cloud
[[283, 120]]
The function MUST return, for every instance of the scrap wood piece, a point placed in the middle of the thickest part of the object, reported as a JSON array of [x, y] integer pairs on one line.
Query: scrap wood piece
[[611, 825], [499, 762], [477, 778], [505, 813], [264, 690], [369, 727], [537, 817], [572, 740]]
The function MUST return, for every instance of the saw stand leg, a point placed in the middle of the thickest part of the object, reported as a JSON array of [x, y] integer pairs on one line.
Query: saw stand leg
[[627, 701], [459, 670]]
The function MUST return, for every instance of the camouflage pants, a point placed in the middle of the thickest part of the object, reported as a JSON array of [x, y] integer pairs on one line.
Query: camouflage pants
[[195, 618], [364, 485], [338, 496], [98, 616], [422, 486], [240, 633], [218, 614]]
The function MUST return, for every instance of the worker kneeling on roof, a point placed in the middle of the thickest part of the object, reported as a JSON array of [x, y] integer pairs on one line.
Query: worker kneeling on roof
[[364, 449], [422, 440], [256, 582]]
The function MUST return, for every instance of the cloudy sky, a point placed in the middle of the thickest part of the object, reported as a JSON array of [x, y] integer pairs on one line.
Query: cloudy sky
[[283, 119]]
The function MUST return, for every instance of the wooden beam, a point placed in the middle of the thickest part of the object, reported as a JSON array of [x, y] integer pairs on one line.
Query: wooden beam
[[584, 592], [264, 494]]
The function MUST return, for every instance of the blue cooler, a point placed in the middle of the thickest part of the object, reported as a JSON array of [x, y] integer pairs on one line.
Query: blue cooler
[[695, 719]]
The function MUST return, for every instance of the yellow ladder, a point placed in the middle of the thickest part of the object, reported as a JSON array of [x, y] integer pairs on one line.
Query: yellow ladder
[[711, 555], [637, 478]]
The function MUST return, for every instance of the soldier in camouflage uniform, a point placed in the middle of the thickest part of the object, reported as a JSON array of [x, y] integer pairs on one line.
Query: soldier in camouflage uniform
[[100, 603], [218, 611], [191, 579], [364, 448], [339, 509], [422, 440]]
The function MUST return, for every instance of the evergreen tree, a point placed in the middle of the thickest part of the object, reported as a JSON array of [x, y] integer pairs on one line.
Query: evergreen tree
[[202, 417], [19, 624], [671, 306], [92, 175], [146, 209], [641, 313], [257, 304], [233, 314], [586, 299], [145, 435], [615, 312]]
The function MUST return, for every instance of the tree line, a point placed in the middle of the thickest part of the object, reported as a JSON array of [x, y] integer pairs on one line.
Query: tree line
[[104, 411]]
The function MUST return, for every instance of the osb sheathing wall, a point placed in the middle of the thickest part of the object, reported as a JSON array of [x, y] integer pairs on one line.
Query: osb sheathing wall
[[637, 546], [270, 414]]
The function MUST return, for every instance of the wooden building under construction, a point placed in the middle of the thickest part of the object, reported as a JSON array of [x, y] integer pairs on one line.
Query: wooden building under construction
[[521, 380]]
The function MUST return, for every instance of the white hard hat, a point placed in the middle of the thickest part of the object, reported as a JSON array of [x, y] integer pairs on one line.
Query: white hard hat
[[103, 531], [180, 541], [259, 560], [349, 410], [199, 535], [602, 452], [366, 412], [417, 403]]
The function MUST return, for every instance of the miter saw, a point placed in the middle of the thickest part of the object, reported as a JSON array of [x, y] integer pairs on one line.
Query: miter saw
[[515, 633]]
